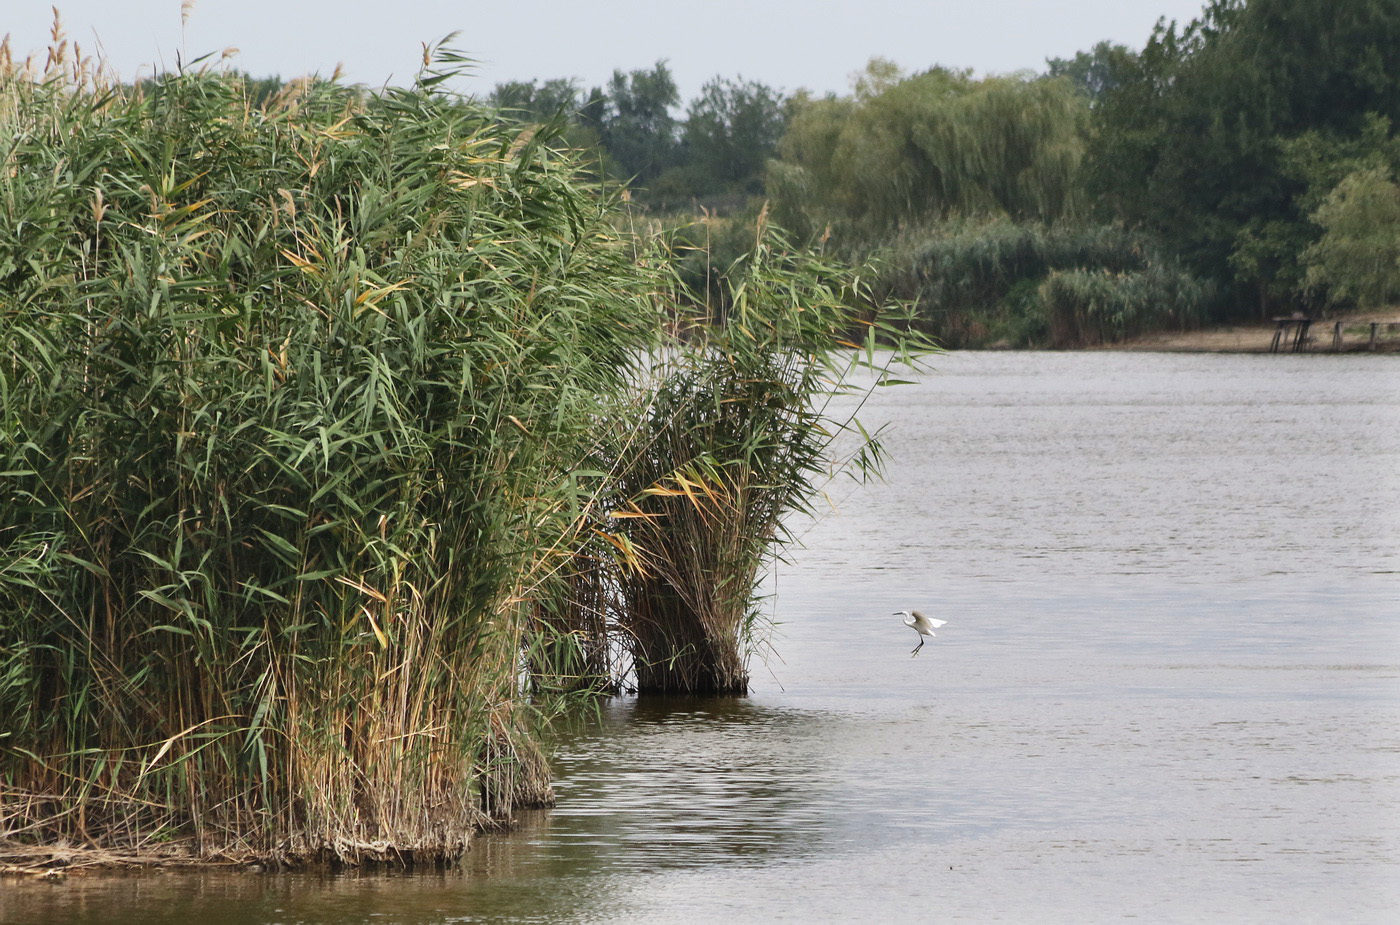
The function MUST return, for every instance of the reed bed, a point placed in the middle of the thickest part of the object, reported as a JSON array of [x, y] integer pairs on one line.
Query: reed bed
[[291, 396], [343, 437], [737, 433], [1039, 285], [1093, 307]]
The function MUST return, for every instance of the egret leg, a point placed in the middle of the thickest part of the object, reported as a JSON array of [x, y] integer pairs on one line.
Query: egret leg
[[918, 647]]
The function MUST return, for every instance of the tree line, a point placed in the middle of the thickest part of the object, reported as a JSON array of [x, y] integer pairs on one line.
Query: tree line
[[718, 151], [1237, 166]]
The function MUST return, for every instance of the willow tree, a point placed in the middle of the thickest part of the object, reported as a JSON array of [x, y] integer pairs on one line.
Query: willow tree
[[904, 152], [1357, 259]]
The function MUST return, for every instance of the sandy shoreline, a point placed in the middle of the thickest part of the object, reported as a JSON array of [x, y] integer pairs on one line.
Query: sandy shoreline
[[1257, 338]]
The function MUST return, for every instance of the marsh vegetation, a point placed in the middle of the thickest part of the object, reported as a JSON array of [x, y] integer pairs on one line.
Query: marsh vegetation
[[342, 434]]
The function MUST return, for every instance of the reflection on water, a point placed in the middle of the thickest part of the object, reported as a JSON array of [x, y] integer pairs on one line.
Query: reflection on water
[[1169, 687], [685, 783]]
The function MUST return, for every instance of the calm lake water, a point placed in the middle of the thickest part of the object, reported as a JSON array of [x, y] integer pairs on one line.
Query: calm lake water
[[1168, 690]]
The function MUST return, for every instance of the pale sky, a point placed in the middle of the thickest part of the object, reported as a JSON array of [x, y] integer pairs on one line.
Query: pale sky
[[787, 44]]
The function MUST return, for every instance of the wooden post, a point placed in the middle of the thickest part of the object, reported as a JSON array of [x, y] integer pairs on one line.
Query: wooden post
[[1300, 339]]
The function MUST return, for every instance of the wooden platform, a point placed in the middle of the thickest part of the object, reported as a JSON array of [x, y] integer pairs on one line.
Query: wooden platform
[[1294, 325], [1291, 334]]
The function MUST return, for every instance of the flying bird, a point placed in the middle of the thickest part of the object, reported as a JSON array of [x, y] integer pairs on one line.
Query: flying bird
[[921, 624]]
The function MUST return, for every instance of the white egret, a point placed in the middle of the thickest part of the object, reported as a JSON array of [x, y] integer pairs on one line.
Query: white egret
[[921, 624]]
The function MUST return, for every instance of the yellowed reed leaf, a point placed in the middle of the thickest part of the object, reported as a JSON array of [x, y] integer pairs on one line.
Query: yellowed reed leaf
[[465, 181], [631, 555], [334, 131], [301, 262], [170, 742], [662, 491], [362, 588], [374, 625], [373, 295]]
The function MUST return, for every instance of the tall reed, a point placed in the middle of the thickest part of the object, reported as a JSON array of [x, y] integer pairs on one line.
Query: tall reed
[[1099, 307], [736, 434], [290, 400], [336, 428]]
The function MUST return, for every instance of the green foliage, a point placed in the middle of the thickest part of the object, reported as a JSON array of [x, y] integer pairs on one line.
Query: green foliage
[[734, 435], [1320, 160], [970, 192], [901, 153], [1087, 307], [1358, 256], [712, 160], [290, 402], [536, 101], [1096, 72], [731, 130], [977, 282], [636, 126], [1192, 141]]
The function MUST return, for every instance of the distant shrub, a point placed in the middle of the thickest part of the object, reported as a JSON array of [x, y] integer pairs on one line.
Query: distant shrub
[[1087, 307], [977, 282]]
